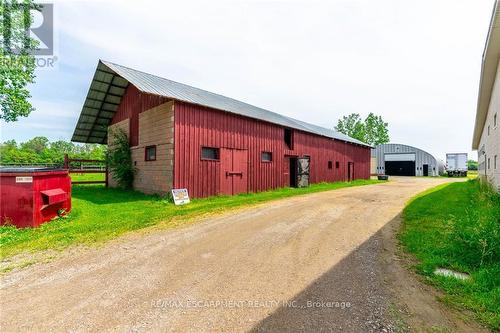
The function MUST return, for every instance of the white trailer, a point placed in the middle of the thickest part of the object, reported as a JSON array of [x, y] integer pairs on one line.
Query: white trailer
[[456, 164]]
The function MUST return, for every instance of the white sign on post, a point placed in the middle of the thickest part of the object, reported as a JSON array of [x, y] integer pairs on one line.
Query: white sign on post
[[181, 196]]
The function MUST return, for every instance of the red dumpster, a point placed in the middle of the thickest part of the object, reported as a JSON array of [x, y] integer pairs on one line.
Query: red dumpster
[[32, 196]]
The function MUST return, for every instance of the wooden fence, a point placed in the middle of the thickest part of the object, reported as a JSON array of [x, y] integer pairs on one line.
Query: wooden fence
[[75, 165]]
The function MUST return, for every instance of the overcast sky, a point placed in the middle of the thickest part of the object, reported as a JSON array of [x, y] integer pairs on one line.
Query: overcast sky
[[415, 63]]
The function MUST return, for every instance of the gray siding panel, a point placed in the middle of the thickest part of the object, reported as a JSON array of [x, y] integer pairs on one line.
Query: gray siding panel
[[422, 157]]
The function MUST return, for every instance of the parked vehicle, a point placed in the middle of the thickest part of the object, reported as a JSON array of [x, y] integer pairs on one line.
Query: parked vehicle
[[456, 164]]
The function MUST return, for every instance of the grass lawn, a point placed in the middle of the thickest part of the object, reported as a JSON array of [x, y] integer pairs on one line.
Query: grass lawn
[[457, 226], [100, 214], [78, 177]]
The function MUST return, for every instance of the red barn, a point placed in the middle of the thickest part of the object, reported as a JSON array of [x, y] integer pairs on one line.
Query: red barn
[[185, 137]]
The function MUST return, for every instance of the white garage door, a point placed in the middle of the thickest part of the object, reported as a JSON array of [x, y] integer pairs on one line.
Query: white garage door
[[399, 157]]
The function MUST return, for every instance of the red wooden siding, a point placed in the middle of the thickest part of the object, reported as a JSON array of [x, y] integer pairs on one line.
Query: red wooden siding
[[133, 103], [197, 126]]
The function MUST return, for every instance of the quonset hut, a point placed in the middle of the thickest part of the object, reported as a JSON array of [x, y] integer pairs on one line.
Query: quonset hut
[[402, 160]]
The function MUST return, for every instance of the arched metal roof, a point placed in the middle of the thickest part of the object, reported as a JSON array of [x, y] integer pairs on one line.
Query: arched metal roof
[[405, 148]]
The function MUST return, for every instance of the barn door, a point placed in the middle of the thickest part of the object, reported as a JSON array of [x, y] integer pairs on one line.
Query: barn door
[[286, 172], [426, 170], [226, 165], [290, 171], [240, 171], [303, 171], [350, 171], [233, 171]]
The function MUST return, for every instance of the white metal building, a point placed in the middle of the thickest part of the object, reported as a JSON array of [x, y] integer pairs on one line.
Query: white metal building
[[486, 139], [402, 160]]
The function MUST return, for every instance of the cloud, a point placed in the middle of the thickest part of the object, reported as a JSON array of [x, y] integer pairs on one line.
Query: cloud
[[54, 120]]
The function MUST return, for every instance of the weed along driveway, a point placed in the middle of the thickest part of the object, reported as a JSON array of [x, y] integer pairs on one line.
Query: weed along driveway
[[305, 263]]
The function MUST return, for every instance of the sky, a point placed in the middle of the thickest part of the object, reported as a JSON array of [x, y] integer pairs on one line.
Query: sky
[[415, 63]]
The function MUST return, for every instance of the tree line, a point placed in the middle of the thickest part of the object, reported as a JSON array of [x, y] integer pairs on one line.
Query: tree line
[[40, 150]]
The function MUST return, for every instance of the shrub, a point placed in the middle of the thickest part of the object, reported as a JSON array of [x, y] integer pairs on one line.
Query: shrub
[[119, 159]]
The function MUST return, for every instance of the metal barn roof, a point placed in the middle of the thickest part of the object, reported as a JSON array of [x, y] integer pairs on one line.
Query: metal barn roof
[[111, 80]]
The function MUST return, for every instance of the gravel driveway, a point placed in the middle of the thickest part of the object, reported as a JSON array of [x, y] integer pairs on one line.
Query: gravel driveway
[[308, 263]]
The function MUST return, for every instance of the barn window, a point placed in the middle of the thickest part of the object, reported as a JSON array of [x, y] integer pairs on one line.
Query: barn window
[[288, 138], [150, 153], [337, 165], [208, 153], [330, 165], [267, 156]]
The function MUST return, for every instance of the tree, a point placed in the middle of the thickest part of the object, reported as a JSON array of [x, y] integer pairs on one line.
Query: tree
[[37, 145], [376, 130], [17, 63], [7, 149], [62, 147], [10, 144], [472, 165], [97, 151], [352, 125], [373, 130]]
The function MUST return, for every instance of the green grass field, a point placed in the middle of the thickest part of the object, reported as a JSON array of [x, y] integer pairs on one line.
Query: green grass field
[[457, 226], [78, 177], [100, 214]]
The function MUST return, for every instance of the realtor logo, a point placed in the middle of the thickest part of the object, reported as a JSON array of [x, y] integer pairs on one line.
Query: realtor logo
[[41, 29]]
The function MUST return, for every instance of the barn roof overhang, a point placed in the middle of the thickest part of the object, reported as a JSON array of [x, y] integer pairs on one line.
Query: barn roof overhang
[[105, 94], [488, 74], [111, 80]]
